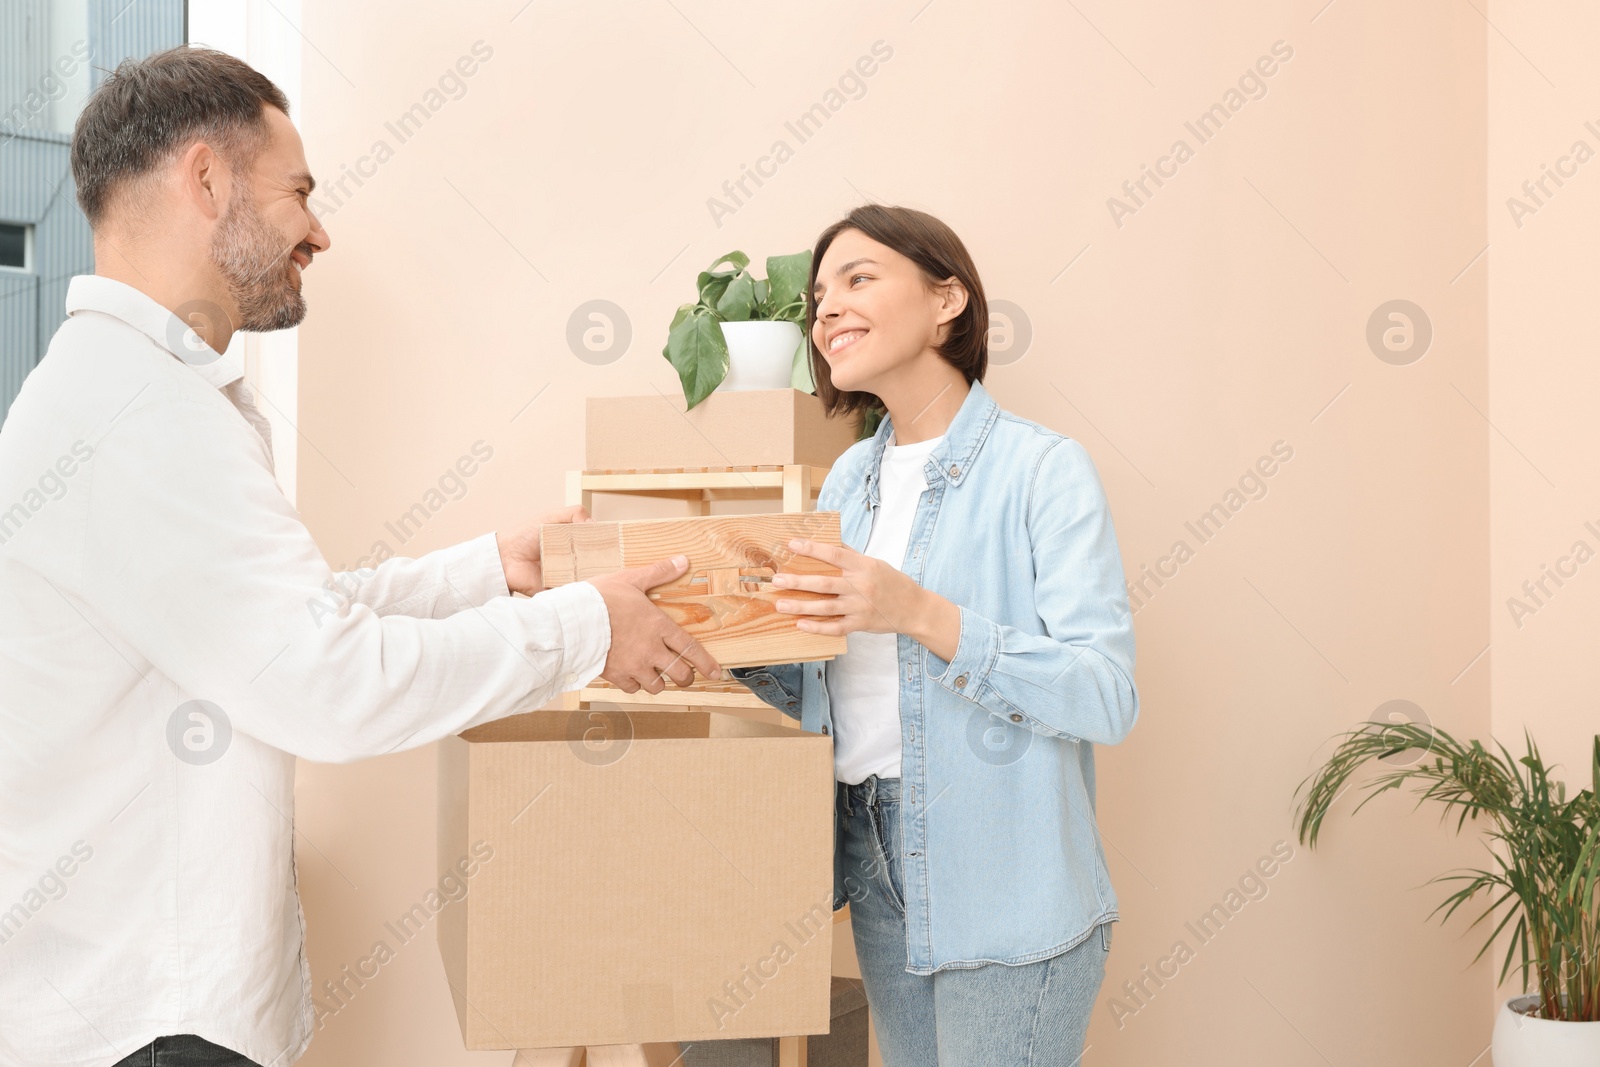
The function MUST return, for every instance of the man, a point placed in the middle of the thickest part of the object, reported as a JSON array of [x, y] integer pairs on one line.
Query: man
[[166, 649]]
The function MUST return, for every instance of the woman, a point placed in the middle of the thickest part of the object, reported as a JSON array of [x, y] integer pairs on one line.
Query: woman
[[990, 648]]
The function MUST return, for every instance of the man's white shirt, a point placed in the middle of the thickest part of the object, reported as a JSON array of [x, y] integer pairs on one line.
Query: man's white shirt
[[168, 645]]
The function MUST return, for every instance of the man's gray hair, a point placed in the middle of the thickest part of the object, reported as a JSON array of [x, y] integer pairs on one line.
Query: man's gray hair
[[150, 108]]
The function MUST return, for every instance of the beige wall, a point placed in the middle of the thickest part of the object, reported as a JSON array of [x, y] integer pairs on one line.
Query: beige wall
[[1228, 313], [1543, 381]]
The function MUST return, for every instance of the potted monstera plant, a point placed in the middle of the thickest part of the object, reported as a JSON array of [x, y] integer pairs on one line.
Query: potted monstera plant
[[743, 332], [1545, 879]]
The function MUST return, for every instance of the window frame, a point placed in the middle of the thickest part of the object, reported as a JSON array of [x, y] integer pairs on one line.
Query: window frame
[[27, 248]]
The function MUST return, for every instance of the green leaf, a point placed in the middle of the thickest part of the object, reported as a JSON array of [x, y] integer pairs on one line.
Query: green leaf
[[684, 310], [711, 287], [800, 377], [795, 313], [739, 260], [739, 301], [787, 276], [699, 353], [763, 309]]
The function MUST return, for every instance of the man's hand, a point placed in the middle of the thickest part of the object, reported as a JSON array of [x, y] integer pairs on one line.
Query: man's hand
[[519, 552], [647, 648]]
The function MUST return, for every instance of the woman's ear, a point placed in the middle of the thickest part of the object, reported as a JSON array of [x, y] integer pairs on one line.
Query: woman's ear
[[952, 300]]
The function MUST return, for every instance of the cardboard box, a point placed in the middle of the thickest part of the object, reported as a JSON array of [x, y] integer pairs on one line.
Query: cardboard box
[[725, 599], [756, 428], [844, 1045], [642, 876]]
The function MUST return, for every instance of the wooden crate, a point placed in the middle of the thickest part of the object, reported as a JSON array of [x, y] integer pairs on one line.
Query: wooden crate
[[725, 598]]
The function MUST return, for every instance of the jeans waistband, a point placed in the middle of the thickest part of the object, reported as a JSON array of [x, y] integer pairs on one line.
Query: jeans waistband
[[867, 792]]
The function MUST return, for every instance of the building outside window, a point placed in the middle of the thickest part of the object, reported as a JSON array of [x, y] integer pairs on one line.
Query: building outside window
[[14, 241], [53, 53]]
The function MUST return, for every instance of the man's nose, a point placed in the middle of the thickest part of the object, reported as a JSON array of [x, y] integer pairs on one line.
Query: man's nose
[[318, 238]]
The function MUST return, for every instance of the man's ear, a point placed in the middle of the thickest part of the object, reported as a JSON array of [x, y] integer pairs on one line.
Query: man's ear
[[205, 180]]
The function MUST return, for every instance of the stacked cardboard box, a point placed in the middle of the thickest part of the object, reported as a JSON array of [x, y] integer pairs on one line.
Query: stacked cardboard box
[[650, 876], [755, 428]]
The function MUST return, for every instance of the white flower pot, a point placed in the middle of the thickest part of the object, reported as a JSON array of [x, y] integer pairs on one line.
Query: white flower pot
[[1529, 1041], [760, 354]]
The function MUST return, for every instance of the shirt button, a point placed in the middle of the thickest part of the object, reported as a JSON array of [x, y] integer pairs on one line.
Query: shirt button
[[791, 703], [1015, 717], [824, 731], [763, 682], [955, 472], [961, 681]]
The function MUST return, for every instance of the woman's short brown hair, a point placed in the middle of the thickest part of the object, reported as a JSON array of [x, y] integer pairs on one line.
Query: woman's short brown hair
[[933, 247]]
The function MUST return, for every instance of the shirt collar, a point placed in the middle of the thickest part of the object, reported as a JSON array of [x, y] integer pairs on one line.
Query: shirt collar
[[962, 439], [92, 292]]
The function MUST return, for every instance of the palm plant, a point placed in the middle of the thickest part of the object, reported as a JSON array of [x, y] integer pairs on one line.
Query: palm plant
[[1546, 848]]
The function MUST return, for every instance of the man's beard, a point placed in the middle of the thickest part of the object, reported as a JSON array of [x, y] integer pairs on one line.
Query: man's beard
[[249, 254]]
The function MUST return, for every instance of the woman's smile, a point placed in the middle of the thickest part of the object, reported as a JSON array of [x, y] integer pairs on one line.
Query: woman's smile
[[844, 339]]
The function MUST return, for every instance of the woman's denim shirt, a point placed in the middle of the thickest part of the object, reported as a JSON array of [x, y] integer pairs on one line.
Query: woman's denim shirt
[[1002, 859]]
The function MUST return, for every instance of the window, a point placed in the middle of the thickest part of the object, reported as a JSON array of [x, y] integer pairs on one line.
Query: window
[[14, 241]]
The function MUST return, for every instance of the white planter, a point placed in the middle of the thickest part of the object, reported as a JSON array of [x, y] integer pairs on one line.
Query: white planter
[[1528, 1041], [760, 354]]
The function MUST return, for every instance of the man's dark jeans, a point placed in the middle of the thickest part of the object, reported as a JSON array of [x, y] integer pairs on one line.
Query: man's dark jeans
[[184, 1050]]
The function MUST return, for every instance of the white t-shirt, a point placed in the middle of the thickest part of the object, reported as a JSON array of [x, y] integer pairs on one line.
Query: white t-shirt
[[863, 684]]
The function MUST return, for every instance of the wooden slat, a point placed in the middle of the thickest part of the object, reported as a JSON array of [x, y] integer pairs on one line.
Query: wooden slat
[[662, 479], [689, 470], [577, 494], [650, 480], [791, 1052], [672, 695], [797, 489], [701, 685], [656, 1054], [549, 1057], [704, 693]]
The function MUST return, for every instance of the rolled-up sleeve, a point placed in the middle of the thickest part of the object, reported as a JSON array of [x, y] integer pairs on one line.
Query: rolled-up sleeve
[[197, 562], [432, 586], [1076, 679]]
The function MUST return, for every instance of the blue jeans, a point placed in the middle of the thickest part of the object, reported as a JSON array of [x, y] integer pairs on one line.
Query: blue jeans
[[1033, 1015]]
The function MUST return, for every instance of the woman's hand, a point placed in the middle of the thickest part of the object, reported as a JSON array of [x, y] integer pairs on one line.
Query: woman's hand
[[869, 595]]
